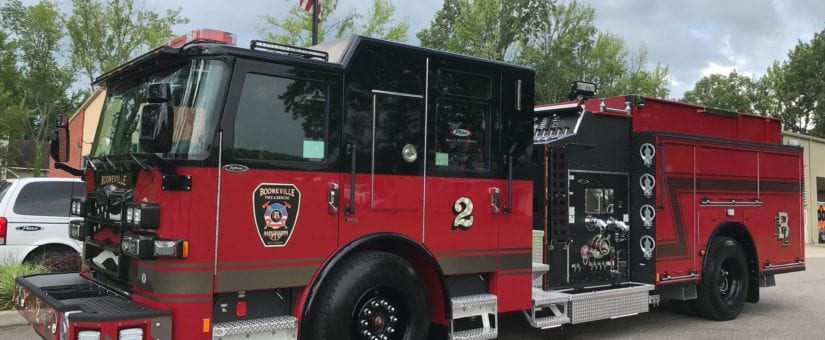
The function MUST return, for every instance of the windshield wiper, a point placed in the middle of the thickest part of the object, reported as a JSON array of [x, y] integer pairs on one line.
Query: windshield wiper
[[153, 159], [139, 163]]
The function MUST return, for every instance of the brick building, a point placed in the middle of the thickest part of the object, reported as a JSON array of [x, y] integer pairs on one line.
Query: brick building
[[82, 129]]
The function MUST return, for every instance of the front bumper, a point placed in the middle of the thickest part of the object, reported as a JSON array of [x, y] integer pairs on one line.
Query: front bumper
[[59, 306]]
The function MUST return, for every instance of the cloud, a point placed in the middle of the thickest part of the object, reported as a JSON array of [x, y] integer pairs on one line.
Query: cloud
[[693, 37], [699, 37]]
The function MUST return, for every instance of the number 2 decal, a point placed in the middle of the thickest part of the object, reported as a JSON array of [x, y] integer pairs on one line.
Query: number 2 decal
[[463, 210]]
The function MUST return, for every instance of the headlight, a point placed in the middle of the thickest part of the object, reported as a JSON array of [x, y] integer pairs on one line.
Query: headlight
[[171, 248], [139, 246], [130, 334], [144, 215], [77, 230], [78, 206], [130, 214], [88, 335]]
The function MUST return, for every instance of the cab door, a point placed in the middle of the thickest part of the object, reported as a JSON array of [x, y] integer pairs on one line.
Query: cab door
[[279, 176], [465, 194], [385, 167]]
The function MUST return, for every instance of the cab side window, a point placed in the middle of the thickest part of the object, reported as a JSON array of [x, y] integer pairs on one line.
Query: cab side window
[[281, 119], [462, 121]]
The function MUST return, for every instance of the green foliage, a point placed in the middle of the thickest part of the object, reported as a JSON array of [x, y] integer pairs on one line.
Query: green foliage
[[559, 40], [487, 29], [792, 90], [804, 84], [8, 273], [733, 92], [106, 34], [36, 32], [12, 112], [774, 98], [296, 27]]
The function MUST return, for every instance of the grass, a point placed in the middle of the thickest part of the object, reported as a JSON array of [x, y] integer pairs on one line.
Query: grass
[[8, 273]]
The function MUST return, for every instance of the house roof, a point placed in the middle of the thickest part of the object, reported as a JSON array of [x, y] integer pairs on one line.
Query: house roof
[[86, 103]]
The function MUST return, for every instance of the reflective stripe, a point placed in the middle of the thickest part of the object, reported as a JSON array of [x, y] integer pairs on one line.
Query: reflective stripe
[[452, 265], [233, 280], [515, 261], [173, 282]]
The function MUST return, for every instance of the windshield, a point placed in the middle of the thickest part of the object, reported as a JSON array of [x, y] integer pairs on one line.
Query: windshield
[[195, 87]]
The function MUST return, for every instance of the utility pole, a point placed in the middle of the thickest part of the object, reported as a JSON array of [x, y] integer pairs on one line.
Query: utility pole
[[315, 22]]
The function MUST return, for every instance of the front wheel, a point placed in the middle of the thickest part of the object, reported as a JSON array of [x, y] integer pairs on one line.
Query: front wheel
[[724, 287], [370, 296]]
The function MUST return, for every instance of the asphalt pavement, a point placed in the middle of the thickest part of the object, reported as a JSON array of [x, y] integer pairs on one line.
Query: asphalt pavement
[[795, 308]]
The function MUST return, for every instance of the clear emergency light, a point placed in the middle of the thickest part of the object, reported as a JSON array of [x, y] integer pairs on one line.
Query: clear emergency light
[[204, 35]]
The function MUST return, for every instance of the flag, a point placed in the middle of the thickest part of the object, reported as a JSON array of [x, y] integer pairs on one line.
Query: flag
[[308, 4]]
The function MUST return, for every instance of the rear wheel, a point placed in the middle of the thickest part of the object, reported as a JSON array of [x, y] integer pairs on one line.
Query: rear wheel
[[724, 287], [370, 296]]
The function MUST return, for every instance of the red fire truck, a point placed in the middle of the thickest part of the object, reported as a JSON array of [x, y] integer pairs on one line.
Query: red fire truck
[[364, 189]]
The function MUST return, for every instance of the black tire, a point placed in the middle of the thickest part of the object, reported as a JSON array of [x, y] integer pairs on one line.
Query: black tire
[[724, 287], [370, 292]]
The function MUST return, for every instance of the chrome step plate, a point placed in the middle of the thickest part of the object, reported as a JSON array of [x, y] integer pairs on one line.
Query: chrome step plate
[[474, 305], [482, 306], [283, 327], [475, 334], [610, 303]]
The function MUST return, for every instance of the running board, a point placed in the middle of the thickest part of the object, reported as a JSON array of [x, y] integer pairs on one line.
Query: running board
[[283, 327], [483, 307], [579, 305]]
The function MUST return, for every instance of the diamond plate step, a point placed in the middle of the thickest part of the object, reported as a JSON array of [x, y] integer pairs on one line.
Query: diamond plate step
[[551, 321], [484, 307], [539, 269], [543, 298], [283, 327], [549, 309], [474, 305], [630, 299], [475, 334]]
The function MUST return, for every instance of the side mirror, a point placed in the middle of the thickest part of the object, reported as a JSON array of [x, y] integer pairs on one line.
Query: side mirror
[[156, 119], [59, 146]]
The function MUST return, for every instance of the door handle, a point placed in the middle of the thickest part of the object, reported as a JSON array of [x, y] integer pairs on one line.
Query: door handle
[[495, 200], [349, 209], [332, 198], [509, 207]]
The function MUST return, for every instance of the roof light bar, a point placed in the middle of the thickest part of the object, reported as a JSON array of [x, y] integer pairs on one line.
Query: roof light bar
[[204, 35]]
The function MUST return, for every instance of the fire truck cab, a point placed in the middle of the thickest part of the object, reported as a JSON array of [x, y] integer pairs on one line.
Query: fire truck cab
[[364, 189]]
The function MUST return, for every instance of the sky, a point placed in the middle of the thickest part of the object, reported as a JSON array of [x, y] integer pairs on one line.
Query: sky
[[693, 37]]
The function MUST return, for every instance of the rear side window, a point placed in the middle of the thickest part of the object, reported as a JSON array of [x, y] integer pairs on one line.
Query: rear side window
[[281, 119], [44, 199], [4, 186]]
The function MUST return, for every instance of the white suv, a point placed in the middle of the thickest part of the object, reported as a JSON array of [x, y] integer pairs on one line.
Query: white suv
[[34, 218]]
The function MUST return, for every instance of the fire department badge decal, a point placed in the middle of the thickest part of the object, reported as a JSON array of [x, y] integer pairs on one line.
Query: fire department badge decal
[[276, 209]]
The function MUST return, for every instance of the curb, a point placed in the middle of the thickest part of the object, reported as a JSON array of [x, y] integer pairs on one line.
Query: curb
[[11, 318]]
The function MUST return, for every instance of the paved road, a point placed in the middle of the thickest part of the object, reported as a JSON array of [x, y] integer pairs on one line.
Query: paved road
[[795, 308]]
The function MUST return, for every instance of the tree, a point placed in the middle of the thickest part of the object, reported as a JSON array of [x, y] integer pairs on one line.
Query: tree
[[11, 108], [570, 47], [106, 34], [487, 29], [296, 28], [804, 84], [36, 32], [733, 92], [773, 98]]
